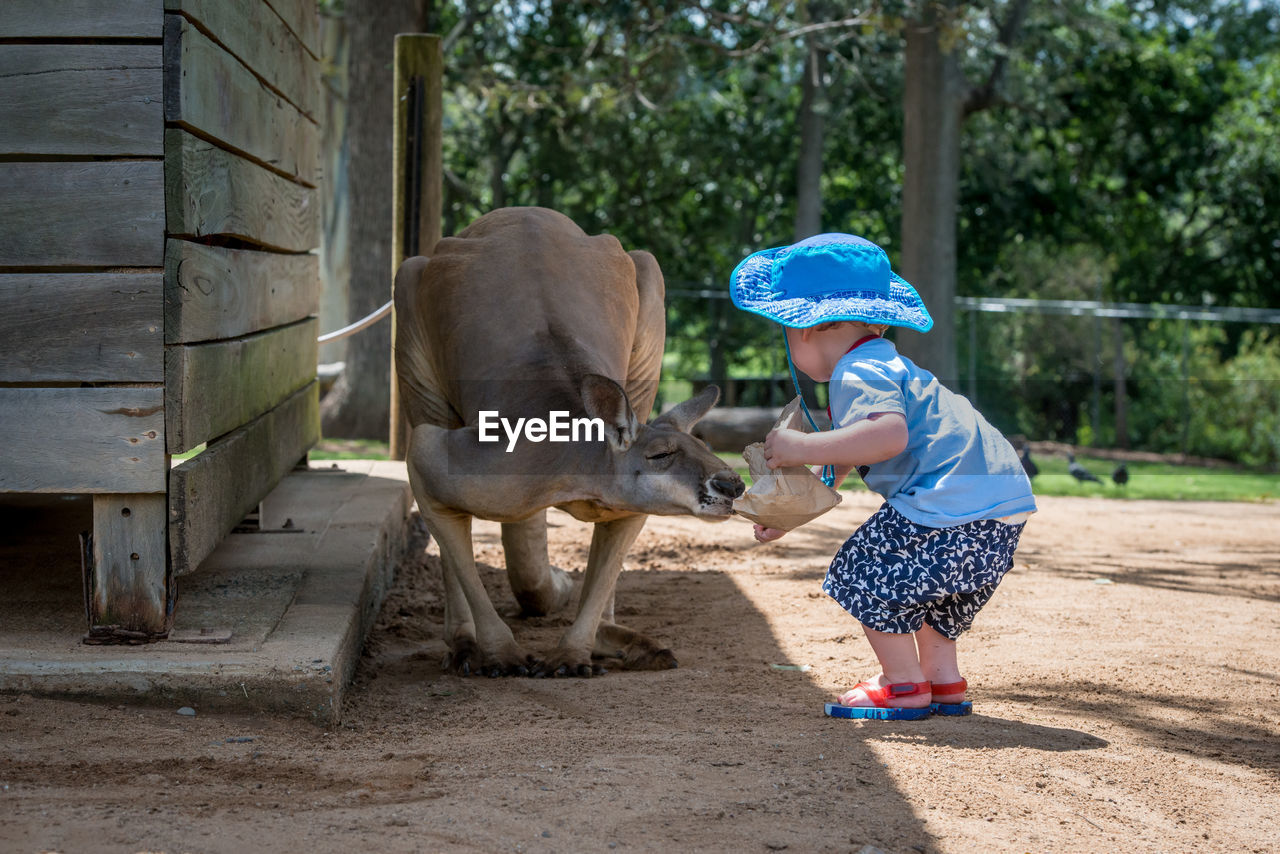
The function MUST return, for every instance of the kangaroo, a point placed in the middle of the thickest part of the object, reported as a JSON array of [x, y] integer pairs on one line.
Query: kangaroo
[[522, 315]]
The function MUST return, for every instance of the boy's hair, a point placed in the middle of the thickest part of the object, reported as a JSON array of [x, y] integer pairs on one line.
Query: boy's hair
[[878, 328]]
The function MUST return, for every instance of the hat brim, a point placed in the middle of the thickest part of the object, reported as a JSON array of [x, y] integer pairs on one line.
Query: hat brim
[[751, 290]]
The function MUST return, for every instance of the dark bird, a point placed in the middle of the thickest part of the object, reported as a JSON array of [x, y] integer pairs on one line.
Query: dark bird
[[1028, 464], [1120, 475], [1079, 472]]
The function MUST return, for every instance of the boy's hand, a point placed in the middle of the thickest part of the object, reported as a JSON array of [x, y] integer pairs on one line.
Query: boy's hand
[[784, 447], [767, 535]]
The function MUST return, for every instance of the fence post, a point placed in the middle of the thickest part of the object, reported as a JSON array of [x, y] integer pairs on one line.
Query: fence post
[[1095, 407], [1186, 383], [417, 174], [1119, 381]]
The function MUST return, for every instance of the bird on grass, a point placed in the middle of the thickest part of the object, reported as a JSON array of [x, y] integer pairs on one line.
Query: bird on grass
[[1028, 464], [1120, 475], [1079, 472]]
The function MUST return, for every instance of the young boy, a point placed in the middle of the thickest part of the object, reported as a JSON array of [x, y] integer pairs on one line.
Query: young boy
[[956, 496]]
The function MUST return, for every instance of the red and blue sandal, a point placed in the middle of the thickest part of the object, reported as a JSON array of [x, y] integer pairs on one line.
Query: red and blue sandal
[[964, 707], [881, 697]]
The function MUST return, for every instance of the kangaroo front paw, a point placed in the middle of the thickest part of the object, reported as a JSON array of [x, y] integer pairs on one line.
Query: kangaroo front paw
[[566, 662], [467, 659]]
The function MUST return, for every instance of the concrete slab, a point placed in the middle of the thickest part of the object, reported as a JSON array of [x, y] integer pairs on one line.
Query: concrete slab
[[298, 605]]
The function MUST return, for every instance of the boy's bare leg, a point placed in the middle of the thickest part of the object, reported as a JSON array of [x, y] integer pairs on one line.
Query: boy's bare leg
[[938, 661], [899, 661]]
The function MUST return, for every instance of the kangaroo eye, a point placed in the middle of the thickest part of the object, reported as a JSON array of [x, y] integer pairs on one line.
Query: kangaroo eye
[[661, 455]]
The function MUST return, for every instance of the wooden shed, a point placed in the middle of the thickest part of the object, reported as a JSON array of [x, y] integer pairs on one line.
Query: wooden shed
[[158, 291]]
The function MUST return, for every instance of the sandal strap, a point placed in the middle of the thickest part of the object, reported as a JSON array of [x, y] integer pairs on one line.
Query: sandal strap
[[946, 688], [881, 696]]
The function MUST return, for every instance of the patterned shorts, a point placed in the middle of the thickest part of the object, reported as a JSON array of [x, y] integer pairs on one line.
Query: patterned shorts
[[894, 575]]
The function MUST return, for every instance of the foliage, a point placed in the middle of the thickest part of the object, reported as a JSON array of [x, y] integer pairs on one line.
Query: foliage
[[1129, 158], [1227, 409]]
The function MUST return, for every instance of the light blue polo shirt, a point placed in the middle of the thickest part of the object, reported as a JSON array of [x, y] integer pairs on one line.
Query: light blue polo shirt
[[956, 468]]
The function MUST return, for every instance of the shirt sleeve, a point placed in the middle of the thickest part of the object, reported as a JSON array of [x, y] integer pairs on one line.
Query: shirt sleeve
[[861, 391]]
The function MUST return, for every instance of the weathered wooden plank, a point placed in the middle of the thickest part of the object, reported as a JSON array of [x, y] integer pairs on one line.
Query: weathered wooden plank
[[213, 490], [210, 191], [303, 19], [81, 19], [81, 99], [82, 214], [211, 389], [82, 440], [417, 176], [129, 586], [86, 327], [255, 35], [208, 90], [212, 292]]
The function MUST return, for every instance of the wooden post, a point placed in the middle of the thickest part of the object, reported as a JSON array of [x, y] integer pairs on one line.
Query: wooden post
[[129, 589], [416, 187]]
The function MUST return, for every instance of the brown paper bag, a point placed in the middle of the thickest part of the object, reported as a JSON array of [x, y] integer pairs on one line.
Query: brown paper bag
[[787, 497]]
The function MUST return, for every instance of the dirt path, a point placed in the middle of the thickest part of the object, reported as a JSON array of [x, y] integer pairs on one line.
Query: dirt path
[[1141, 714]]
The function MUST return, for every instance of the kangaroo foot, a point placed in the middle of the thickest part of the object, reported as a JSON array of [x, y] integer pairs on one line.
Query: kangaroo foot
[[548, 597], [564, 662], [466, 658], [631, 649]]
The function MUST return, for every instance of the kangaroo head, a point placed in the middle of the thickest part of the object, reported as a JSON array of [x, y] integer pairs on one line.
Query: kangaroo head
[[658, 467]]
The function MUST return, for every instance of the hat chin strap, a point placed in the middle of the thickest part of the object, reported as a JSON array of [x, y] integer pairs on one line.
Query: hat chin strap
[[828, 472]]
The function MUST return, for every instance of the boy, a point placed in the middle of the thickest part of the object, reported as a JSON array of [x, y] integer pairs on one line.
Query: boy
[[956, 496]]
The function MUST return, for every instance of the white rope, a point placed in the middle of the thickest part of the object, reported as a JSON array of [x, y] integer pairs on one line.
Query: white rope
[[363, 323]]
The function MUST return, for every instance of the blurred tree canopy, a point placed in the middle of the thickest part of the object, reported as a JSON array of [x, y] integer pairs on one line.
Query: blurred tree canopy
[[1126, 153]]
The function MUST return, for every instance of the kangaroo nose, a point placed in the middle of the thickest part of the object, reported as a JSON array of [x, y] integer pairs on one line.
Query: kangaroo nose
[[728, 483]]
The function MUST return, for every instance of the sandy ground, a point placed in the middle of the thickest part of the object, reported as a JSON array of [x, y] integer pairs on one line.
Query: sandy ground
[[1141, 714]]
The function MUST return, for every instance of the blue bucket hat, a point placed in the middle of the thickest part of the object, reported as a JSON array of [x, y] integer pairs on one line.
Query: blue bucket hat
[[825, 278]]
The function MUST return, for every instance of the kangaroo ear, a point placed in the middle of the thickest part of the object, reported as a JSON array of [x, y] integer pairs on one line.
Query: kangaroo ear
[[685, 415], [604, 399]]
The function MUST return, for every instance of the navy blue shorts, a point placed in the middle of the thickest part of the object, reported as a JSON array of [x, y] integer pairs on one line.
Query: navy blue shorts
[[894, 575]]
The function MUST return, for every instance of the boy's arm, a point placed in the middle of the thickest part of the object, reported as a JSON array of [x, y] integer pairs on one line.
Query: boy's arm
[[878, 437]]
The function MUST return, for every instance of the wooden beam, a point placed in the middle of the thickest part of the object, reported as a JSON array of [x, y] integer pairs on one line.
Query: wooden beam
[[303, 19], [207, 90], [82, 214], [81, 19], [417, 176], [81, 100], [211, 389], [255, 35], [128, 588], [211, 492], [211, 192], [212, 292], [92, 440], [81, 327]]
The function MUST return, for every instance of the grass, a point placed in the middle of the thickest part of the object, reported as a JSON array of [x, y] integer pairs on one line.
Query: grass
[[1153, 481], [1159, 481], [351, 449]]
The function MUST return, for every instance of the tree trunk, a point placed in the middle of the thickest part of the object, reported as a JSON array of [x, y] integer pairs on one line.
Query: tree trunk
[[813, 107], [359, 404], [932, 108]]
